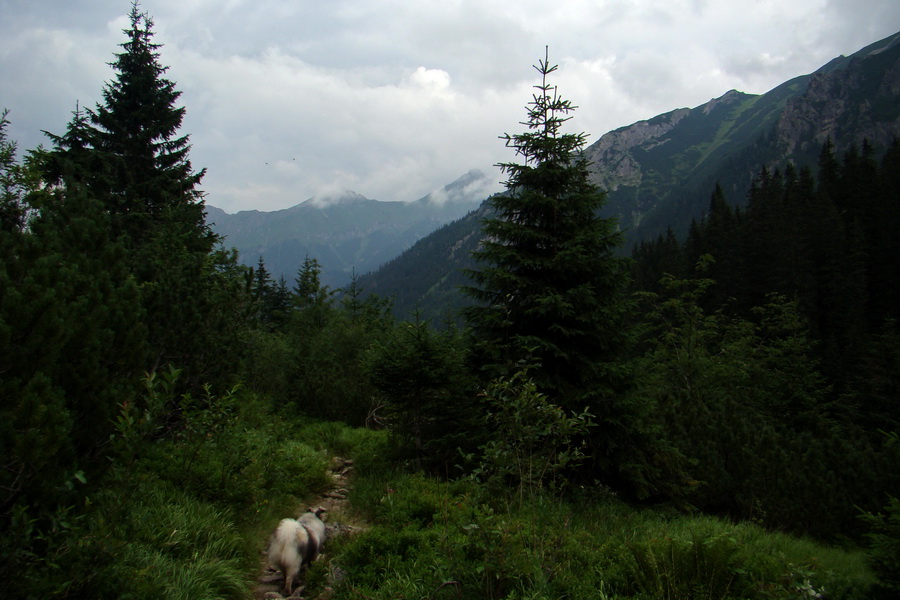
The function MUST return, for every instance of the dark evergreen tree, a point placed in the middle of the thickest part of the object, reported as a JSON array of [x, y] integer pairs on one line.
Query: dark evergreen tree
[[717, 235], [654, 259], [427, 396], [128, 155], [136, 127], [262, 280], [762, 250], [884, 252], [262, 288], [280, 302], [550, 286], [12, 211], [551, 292], [308, 288], [71, 340], [363, 311], [273, 301], [352, 296]]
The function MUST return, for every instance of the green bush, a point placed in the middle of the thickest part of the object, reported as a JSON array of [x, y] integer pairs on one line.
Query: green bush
[[178, 515], [365, 445], [701, 568], [534, 441], [884, 544]]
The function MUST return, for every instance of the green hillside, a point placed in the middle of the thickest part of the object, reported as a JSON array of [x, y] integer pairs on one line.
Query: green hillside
[[659, 173]]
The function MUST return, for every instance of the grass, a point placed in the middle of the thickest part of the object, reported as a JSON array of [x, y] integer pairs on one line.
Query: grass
[[177, 547], [340, 440], [189, 517], [726, 128], [433, 539]]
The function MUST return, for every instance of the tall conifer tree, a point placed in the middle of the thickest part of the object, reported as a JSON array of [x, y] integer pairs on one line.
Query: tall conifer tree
[[128, 154], [137, 128], [550, 285], [71, 337]]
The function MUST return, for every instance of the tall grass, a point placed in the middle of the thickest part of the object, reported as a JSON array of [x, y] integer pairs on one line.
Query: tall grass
[[186, 516], [433, 539], [170, 545], [363, 445]]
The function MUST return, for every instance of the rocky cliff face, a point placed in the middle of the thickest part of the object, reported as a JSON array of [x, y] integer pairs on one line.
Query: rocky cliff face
[[612, 156], [858, 102], [659, 173]]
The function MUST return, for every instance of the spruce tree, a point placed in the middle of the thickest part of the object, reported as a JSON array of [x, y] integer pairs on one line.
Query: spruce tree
[[12, 213], [136, 127], [550, 286], [127, 154], [308, 288], [71, 337], [421, 380], [884, 277]]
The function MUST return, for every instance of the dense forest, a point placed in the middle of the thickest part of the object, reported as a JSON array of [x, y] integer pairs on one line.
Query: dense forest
[[714, 417]]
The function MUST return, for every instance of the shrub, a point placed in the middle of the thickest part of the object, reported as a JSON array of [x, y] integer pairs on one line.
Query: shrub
[[357, 443], [533, 444], [884, 547], [436, 539]]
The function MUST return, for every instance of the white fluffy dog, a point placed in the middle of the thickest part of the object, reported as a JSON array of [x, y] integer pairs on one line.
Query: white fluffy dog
[[294, 542], [288, 548]]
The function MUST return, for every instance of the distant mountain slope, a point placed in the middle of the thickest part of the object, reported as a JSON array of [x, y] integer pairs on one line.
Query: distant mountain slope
[[344, 234], [660, 172], [428, 275]]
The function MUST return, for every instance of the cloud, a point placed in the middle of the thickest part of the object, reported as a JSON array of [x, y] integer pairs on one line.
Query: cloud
[[290, 99], [434, 81], [326, 127], [471, 187]]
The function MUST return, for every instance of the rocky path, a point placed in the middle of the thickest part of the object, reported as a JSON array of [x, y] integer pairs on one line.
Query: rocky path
[[335, 503]]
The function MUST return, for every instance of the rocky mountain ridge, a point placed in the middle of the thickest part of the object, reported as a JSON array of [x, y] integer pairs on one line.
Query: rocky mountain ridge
[[659, 172]]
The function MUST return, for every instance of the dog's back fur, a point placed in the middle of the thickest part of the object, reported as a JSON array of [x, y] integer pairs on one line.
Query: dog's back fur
[[288, 549], [315, 530]]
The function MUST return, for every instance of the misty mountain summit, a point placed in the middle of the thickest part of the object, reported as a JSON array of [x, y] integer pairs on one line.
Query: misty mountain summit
[[346, 232]]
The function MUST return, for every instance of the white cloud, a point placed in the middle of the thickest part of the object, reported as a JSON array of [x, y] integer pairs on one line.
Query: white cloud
[[288, 99], [434, 81]]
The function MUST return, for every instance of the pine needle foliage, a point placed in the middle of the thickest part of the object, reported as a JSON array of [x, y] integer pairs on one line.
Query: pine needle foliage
[[137, 127], [549, 286]]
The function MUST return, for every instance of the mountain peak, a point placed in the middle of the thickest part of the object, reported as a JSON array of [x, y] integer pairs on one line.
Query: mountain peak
[[728, 97], [470, 188], [339, 198]]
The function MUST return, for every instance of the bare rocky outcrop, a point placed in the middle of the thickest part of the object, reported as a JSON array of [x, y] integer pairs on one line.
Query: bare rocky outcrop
[[612, 161], [843, 105]]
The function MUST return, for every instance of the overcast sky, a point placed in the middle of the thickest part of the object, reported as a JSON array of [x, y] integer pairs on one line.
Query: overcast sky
[[393, 99]]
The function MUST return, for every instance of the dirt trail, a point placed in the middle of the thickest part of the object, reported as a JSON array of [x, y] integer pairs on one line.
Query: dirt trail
[[335, 503]]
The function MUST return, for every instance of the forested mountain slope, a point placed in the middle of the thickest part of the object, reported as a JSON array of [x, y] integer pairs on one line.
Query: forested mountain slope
[[659, 173]]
